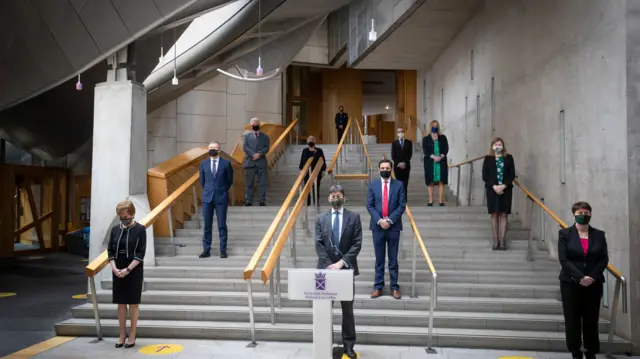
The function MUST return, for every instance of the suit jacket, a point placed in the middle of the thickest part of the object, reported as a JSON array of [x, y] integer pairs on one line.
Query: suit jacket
[[490, 171], [253, 145], [397, 204], [402, 153], [342, 119], [575, 265], [216, 191], [350, 241]]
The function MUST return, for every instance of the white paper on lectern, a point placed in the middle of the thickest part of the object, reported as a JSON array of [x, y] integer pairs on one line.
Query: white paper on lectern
[[320, 284]]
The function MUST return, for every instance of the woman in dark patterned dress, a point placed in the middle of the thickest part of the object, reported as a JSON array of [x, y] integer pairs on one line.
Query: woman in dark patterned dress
[[498, 174], [126, 249], [436, 171]]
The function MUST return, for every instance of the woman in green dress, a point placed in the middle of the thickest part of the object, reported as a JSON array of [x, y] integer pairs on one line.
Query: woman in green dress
[[435, 148]]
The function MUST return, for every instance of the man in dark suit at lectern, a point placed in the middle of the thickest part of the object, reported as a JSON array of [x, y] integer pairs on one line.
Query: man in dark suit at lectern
[[338, 242]]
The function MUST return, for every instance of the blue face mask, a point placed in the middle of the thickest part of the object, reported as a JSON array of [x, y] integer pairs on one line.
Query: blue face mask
[[434, 129]]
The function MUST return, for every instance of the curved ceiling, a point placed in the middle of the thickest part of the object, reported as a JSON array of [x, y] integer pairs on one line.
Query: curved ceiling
[[56, 122]]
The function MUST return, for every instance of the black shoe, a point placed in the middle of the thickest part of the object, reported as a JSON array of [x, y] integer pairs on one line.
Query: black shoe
[[350, 353], [589, 356], [430, 204], [247, 204], [262, 204], [578, 355], [223, 255], [127, 345], [441, 204], [120, 345], [205, 255]]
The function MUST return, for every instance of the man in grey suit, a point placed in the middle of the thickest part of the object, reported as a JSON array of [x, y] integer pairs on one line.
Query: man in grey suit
[[256, 146], [338, 241]]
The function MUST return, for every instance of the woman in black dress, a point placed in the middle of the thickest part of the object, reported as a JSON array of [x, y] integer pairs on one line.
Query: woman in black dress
[[316, 153], [498, 173], [436, 171], [126, 249]]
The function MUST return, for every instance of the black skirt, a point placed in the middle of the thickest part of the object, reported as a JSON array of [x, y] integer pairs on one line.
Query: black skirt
[[499, 203], [128, 290]]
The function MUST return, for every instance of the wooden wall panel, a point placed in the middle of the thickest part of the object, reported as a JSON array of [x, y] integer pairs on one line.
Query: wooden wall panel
[[407, 101], [314, 123], [339, 87]]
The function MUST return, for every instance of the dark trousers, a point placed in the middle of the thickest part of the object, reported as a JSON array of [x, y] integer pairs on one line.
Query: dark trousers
[[581, 307], [250, 174], [208, 211], [403, 176], [340, 133], [385, 243], [348, 324], [317, 190]]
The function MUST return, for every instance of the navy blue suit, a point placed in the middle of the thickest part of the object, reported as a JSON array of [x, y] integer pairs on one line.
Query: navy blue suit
[[386, 239], [215, 199]]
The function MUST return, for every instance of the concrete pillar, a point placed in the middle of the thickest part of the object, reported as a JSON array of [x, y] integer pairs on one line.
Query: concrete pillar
[[119, 163], [633, 165]]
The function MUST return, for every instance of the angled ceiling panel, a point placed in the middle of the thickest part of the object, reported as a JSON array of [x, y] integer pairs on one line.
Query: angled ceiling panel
[[78, 4], [137, 14], [73, 38], [104, 24], [48, 55], [50, 10]]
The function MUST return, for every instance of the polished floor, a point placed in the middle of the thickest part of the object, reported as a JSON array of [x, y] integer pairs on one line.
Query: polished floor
[[43, 288], [215, 349]]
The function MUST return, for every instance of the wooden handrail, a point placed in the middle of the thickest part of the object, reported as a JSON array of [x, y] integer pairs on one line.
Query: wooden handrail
[[432, 268], [102, 260], [289, 225], [546, 209], [283, 136], [262, 247], [366, 152], [339, 148], [467, 162]]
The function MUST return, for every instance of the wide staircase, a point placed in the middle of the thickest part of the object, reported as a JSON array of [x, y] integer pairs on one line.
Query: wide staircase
[[485, 298]]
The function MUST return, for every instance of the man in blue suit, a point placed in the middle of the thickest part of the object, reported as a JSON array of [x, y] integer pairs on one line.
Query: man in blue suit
[[386, 203], [216, 178]]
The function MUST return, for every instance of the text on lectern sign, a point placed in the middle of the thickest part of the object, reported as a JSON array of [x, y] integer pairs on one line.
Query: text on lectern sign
[[320, 284]]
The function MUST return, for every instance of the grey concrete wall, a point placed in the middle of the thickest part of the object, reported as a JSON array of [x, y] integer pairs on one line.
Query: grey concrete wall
[[545, 56]]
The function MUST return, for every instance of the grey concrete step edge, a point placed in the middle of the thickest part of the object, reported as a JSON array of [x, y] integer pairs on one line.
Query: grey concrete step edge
[[381, 335], [399, 318]]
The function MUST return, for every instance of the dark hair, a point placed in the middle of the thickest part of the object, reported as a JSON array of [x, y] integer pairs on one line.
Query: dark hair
[[342, 107], [385, 161], [580, 205], [336, 188]]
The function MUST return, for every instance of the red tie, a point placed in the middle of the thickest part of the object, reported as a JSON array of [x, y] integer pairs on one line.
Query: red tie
[[385, 201]]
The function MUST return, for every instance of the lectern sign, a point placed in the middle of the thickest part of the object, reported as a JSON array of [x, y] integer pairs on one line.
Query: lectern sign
[[320, 284]]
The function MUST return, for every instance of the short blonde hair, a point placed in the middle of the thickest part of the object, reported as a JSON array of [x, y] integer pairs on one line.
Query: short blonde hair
[[126, 206], [311, 137]]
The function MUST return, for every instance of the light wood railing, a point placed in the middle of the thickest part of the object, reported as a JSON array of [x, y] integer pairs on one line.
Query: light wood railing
[[621, 282], [334, 166]]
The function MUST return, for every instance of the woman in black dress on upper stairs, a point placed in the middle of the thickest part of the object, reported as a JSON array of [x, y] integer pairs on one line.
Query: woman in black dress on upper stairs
[[126, 249], [436, 170], [498, 174]]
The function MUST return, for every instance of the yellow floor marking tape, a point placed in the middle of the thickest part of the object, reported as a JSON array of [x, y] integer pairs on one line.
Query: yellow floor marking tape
[[39, 348], [161, 349]]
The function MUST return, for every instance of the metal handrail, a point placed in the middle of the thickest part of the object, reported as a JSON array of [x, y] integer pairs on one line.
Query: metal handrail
[[334, 161], [288, 230], [621, 281], [417, 239]]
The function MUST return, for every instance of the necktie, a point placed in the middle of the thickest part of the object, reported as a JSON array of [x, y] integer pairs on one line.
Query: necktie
[[214, 169], [401, 143], [385, 201], [335, 233]]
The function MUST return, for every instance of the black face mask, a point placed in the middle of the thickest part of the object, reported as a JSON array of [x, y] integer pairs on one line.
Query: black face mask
[[256, 127], [385, 174], [311, 144], [213, 153], [583, 219], [126, 222]]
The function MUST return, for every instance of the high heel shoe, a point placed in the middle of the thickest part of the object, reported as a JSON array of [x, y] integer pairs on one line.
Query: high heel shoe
[[120, 345], [127, 345]]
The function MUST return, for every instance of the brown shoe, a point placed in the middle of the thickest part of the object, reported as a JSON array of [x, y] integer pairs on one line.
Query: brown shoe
[[396, 294], [376, 293]]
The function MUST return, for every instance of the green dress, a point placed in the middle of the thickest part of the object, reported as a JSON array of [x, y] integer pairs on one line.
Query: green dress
[[436, 165], [500, 167]]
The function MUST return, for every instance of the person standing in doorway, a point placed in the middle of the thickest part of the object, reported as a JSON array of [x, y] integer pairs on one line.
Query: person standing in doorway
[[216, 179], [256, 146], [583, 255], [498, 174], [436, 171], [386, 204], [342, 118], [401, 152], [338, 241]]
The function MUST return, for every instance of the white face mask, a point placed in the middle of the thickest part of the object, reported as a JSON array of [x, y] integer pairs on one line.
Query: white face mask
[[497, 149], [401, 135]]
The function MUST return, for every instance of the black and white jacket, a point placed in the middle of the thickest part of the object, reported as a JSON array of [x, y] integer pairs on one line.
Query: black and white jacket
[[134, 239]]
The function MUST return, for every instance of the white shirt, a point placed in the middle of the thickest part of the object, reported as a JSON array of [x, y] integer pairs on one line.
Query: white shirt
[[340, 218], [214, 162]]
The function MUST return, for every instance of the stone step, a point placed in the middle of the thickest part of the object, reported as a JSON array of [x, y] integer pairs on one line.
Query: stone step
[[367, 274], [494, 290], [381, 335], [364, 317], [362, 301]]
